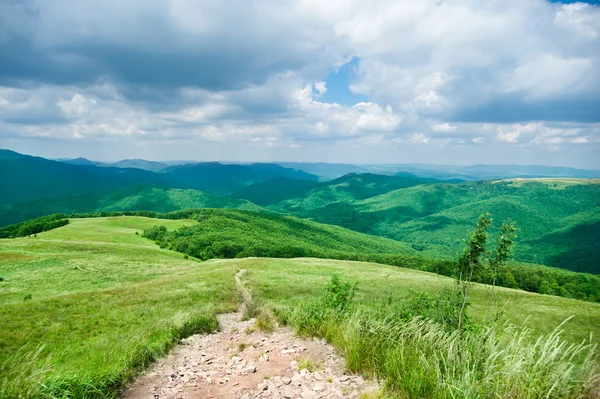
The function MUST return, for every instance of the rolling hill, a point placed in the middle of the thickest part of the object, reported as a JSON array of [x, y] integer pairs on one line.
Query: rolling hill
[[25, 178], [434, 218], [228, 233], [275, 190], [346, 189], [557, 217], [449, 173], [140, 164], [144, 197]]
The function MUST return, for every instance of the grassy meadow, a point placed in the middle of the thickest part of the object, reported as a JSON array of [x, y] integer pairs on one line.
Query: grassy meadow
[[88, 304], [289, 282], [84, 306]]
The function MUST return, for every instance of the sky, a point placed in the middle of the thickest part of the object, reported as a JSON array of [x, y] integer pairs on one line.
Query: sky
[[383, 81]]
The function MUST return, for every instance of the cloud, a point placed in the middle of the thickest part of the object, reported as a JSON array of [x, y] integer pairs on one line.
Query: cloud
[[419, 138], [186, 73], [77, 107], [444, 127]]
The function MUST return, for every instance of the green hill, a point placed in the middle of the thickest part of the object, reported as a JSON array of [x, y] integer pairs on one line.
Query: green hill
[[147, 197], [434, 218], [226, 233], [25, 178], [275, 190], [220, 178], [140, 164], [345, 190]]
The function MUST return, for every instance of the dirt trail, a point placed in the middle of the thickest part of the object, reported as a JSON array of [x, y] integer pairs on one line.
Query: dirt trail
[[240, 362]]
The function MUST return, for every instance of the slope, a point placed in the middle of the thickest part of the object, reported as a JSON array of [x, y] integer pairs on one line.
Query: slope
[[220, 178], [275, 190], [345, 190], [434, 218], [25, 178], [225, 233], [145, 197], [140, 164]]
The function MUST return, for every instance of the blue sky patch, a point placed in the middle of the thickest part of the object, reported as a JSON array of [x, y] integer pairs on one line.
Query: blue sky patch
[[338, 85]]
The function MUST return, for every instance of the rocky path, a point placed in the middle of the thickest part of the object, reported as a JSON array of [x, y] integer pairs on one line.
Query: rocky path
[[242, 363]]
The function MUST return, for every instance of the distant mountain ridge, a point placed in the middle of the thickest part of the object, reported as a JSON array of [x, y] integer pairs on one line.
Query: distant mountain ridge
[[136, 198], [26, 178], [451, 173]]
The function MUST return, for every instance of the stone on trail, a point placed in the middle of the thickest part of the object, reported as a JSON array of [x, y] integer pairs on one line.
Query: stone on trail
[[232, 364]]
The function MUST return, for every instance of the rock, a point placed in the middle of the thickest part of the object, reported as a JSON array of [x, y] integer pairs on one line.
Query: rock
[[344, 378], [286, 380], [308, 395], [296, 380], [288, 392], [318, 376], [263, 358], [318, 387], [262, 386], [250, 369], [304, 372]]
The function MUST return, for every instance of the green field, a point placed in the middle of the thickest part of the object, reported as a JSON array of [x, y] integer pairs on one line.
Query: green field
[[103, 301], [99, 301]]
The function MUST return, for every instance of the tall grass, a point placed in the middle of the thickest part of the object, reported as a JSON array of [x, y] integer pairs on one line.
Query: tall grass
[[418, 358], [29, 374]]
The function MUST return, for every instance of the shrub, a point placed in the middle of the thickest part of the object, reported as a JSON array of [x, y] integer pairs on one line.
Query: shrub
[[265, 321], [338, 294], [419, 357]]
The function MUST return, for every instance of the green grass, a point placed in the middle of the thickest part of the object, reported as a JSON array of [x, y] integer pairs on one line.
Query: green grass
[[104, 302], [288, 282], [419, 358]]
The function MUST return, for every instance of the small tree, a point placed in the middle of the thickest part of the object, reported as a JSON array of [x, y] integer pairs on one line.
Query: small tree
[[475, 260]]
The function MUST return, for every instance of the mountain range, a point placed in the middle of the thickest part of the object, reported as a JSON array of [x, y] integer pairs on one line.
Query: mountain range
[[428, 209]]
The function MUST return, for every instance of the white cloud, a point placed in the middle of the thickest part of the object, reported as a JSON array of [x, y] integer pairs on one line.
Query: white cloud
[[444, 127], [580, 140], [321, 87], [419, 138], [77, 107], [549, 76]]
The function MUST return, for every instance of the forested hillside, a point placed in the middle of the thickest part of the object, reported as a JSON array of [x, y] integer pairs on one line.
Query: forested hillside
[[26, 178], [136, 198], [435, 217]]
